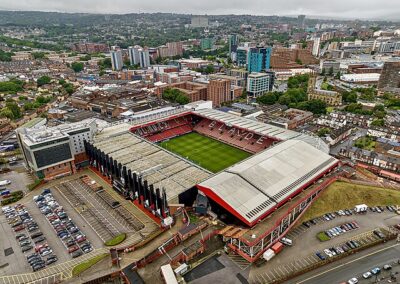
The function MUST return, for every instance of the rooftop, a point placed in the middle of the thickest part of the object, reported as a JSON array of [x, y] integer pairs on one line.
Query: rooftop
[[159, 167], [261, 182]]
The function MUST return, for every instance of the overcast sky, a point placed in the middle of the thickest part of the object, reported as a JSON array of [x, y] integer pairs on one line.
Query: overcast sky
[[351, 9]]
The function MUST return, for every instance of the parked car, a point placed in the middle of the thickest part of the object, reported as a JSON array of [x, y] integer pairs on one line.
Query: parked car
[[376, 270], [73, 248], [352, 281], [367, 275], [76, 253], [26, 248], [320, 256]]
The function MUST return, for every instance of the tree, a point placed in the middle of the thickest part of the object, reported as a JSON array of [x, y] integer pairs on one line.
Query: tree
[[315, 106], [267, 99], [323, 131], [43, 80], [338, 75], [77, 66], [349, 97], [378, 122], [6, 112], [38, 55], [176, 96], [14, 108]]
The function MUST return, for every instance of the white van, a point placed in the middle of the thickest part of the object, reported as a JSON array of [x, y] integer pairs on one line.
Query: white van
[[286, 241]]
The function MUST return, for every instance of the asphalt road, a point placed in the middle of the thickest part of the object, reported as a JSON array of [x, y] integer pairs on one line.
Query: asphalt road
[[354, 266]]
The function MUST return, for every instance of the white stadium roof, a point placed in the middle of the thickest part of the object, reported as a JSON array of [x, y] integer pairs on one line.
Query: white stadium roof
[[259, 183]]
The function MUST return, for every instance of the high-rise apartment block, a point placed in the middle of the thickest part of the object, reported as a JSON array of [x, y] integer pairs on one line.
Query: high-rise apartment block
[[301, 21], [233, 42], [133, 52], [116, 59], [259, 59], [241, 56]]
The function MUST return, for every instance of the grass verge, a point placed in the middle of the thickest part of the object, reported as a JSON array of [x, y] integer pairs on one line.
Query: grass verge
[[323, 237], [342, 195], [33, 185], [81, 267], [116, 240]]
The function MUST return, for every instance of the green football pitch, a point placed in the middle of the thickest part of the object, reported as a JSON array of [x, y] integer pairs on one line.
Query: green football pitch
[[205, 152]]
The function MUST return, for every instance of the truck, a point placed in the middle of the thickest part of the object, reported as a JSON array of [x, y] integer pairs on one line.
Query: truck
[[360, 208], [268, 254]]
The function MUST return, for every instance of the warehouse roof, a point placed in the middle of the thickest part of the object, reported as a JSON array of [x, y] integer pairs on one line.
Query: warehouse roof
[[262, 182]]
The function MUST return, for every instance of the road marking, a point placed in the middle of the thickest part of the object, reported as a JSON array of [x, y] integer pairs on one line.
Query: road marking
[[351, 261]]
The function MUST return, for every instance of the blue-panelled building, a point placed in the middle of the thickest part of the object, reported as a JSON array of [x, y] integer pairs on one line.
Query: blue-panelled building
[[259, 59]]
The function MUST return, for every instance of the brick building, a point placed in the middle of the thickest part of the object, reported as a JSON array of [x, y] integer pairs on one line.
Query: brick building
[[389, 80], [286, 58]]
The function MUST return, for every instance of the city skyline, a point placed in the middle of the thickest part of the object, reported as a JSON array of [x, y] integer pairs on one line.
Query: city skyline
[[354, 9]]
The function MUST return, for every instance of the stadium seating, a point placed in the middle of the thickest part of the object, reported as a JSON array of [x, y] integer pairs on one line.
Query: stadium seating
[[242, 139], [162, 130]]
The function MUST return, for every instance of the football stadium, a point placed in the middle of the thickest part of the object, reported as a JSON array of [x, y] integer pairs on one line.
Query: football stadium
[[258, 178]]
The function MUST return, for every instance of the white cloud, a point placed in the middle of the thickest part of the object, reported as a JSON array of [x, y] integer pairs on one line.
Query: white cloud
[[362, 9]]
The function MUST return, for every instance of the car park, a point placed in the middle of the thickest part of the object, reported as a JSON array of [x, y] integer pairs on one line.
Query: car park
[[64, 227]]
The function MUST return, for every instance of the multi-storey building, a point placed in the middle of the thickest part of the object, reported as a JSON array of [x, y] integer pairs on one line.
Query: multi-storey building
[[219, 91], [90, 47], [389, 81], [389, 47], [241, 56], [133, 52], [116, 59], [199, 22], [259, 83], [170, 49], [233, 42], [52, 152], [259, 59], [206, 43]]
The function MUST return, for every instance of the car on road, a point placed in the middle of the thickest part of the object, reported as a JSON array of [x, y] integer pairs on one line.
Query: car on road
[[352, 281], [367, 275]]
